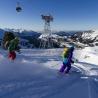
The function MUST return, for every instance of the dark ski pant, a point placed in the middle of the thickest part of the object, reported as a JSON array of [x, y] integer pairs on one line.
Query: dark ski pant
[[12, 55], [65, 67]]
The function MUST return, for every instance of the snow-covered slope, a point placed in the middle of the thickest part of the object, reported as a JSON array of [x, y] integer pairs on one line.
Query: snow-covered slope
[[95, 33], [90, 35], [34, 74], [53, 36]]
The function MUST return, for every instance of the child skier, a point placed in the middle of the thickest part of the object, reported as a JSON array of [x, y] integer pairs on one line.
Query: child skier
[[67, 59], [12, 48]]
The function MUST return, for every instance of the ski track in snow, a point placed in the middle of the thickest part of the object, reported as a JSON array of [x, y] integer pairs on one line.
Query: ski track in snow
[[34, 74]]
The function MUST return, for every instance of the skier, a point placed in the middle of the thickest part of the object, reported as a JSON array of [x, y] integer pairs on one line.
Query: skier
[[13, 46], [67, 59]]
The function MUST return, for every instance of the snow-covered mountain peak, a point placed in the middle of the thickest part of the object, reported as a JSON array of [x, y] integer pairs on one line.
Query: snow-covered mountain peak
[[92, 34], [95, 33]]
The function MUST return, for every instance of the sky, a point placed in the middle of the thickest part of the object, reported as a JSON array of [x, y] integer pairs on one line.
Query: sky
[[68, 14]]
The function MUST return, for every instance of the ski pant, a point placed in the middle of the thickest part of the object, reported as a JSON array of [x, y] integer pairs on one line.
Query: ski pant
[[12, 55], [65, 67]]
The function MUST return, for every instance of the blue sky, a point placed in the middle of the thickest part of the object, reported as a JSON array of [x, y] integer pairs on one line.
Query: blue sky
[[68, 14]]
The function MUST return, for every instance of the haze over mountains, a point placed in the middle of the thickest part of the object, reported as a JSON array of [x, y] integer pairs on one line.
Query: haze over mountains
[[79, 38]]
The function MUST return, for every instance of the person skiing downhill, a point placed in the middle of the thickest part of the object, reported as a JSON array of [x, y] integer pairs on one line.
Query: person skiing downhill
[[67, 60], [12, 48]]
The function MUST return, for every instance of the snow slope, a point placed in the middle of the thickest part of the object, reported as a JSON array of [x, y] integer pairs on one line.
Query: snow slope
[[90, 35], [34, 74]]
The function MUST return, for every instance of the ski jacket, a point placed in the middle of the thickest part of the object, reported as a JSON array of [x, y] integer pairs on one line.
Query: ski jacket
[[13, 45], [65, 55]]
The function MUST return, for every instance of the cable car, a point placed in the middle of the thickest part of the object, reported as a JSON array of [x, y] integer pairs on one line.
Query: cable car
[[18, 7]]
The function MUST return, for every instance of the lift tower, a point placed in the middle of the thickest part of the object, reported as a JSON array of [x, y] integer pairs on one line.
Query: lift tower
[[46, 38]]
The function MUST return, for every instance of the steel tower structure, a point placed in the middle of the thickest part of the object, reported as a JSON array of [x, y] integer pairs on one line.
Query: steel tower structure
[[46, 41]]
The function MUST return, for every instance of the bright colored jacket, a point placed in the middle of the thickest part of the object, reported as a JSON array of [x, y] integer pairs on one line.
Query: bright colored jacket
[[68, 56], [65, 55]]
